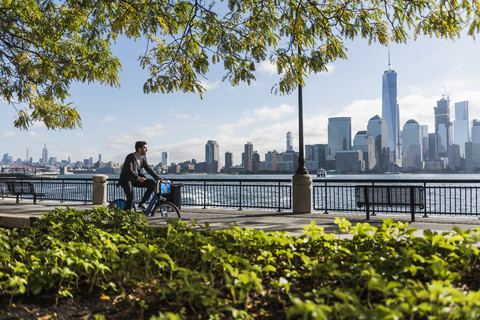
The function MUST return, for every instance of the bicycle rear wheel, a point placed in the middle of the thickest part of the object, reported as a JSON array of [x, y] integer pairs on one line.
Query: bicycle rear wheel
[[117, 203], [167, 209]]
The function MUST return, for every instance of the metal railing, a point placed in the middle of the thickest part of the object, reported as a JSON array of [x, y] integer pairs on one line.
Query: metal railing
[[226, 193], [56, 189], [442, 196]]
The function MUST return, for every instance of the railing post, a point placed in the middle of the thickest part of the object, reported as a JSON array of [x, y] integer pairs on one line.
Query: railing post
[[326, 200], [373, 199], [204, 194], [85, 200], [99, 189], [412, 202], [425, 200], [367, 201], [279, 196], [240, 196], [63, 190]]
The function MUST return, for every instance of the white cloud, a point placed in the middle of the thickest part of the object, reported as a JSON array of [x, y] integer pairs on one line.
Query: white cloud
[[120, 142], [8, 133], [330, 70], [267, 67], [180, 152], [38, 124], [209, 85], [181, 116], [151, 132], [264, 113], [109, 119], [270, 68]]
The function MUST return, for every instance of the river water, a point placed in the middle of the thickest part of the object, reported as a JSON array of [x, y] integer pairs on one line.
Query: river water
[[440, 197], [400, 176]]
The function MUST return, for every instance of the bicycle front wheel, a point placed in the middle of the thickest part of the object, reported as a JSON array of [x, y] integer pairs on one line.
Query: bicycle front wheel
[[167, 209]]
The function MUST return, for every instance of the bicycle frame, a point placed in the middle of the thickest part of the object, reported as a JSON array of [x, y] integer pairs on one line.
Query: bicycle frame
[[155, 200]]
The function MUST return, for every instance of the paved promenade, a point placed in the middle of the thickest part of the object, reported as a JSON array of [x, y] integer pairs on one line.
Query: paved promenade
[[21, 215]]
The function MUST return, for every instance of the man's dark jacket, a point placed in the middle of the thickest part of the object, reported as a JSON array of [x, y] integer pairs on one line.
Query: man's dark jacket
[[131, 169]]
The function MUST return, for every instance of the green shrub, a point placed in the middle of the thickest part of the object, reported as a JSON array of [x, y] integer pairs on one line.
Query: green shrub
[[186, 270]]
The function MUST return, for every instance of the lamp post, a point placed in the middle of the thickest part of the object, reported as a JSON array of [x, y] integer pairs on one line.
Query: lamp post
[[302, 181], [301, 169]]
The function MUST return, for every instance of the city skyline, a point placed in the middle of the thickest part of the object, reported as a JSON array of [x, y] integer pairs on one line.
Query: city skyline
[[181, 124], [340, 138]]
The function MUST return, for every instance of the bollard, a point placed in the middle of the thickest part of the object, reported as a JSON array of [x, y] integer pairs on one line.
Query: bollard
[[302, 193], [99, 190]]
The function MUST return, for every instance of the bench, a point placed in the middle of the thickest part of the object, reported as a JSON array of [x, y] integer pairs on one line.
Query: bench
[[3, 189], [21, 188], [398, 195]]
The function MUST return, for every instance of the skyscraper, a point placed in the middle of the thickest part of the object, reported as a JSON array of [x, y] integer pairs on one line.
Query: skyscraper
[[339, 135], [212, 159], [365, 142], [390, 111], [247, 157], [377, 127], [476, 144], [412, 154], [228, 160], [315, 156], [443, 126], [424, 139], [461, 126], [289, 141], [44, 154], [165, 158]]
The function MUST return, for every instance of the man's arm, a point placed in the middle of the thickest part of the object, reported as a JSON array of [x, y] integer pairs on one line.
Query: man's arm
[[149, 170]]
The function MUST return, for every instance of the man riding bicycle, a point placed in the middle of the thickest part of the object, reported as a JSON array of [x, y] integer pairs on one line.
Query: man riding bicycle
[[131, 176]]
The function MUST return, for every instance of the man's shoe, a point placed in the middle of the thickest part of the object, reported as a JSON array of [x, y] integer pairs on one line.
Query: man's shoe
[[142, 206]]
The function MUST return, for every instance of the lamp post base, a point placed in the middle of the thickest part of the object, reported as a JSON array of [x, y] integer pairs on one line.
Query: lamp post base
[[302, 193]]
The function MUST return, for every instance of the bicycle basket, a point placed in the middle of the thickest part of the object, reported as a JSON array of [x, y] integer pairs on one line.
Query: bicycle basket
[[163, 187]]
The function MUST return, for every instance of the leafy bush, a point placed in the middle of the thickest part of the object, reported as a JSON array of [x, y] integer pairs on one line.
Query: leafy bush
[[185, 270]]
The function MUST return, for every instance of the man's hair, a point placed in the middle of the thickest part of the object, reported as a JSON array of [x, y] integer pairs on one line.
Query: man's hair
[[139, 145]]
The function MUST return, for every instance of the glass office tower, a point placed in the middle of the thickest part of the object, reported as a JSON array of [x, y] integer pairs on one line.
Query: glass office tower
[[378, 128], [339, 135], [212, 158], [461, 126], [412, 145], [165, 158], [443, 126], [390, 111]]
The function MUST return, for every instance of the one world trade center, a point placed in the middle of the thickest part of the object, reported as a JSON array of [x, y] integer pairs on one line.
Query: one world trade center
[[390, 112]]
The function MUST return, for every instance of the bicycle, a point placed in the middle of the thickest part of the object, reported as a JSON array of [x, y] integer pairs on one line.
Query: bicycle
[[158, 203]]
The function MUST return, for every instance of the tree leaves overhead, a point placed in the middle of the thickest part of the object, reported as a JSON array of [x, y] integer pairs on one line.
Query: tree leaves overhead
[[47, 45]]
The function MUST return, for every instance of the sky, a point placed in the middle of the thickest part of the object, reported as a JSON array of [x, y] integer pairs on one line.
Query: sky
[[181, 124]]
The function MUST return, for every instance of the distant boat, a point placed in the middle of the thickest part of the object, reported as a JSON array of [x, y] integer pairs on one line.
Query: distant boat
[[321, 172]]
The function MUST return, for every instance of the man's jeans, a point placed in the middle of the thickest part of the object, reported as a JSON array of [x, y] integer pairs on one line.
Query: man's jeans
[[149, 184]]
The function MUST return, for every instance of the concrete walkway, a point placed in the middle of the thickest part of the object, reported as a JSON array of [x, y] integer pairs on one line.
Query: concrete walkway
[[21, 215]]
